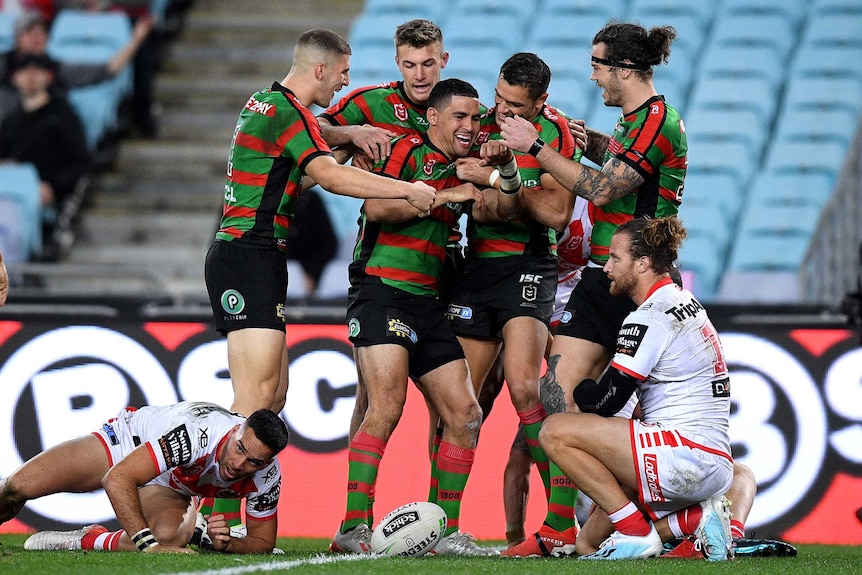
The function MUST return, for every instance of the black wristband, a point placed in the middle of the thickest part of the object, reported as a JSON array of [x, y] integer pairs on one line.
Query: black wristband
[[536, 147]]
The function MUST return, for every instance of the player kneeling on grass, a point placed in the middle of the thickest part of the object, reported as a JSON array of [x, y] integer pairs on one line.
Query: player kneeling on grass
[[677, 457], [152, 463]]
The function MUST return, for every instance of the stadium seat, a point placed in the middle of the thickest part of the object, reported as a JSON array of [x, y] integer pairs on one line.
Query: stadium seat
[[607, 9], [823, 93], [374, 61], [730, 157], [570, 96], [705, 259], [755, 30], [771, 187], [523, 10], [768, 253], [827, 61], [563, 59], [19, 185], [833, 29], [794, 12], [738, 93], [706, 221], [835, 7], [7, 29], [503, 30], [791, 156], [409, 9], [763, 218], [727, 125], [816, 125], [717, 190], [571, 32], [720, 61], [376, 30], [690, 29], [653, 10]]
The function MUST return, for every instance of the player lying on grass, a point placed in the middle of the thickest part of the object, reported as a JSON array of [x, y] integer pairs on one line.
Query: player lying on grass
[[153, 462]]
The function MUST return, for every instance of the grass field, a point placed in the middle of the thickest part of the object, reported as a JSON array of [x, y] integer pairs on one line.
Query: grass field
[[307, 556]]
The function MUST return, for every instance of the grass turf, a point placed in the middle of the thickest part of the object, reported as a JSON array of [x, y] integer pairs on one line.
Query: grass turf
[[309, 556]]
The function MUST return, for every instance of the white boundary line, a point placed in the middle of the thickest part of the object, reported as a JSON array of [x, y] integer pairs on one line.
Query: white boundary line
[[280, 565]]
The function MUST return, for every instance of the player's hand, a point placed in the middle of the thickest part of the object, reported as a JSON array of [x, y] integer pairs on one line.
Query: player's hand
[[494, 153], [578, 128], [218, 531], [421, 196], [373, 141], [471, 170], [464, 193], [362, 161], [518, 134]]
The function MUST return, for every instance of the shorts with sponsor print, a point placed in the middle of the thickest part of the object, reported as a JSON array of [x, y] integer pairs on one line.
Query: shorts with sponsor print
[[247, 286], [492, 291], [381, 314], [593, 314], [675, 471]]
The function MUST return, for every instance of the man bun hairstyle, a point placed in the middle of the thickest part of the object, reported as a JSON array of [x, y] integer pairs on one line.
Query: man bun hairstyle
[[444, 90], [269, 429], [657, 238], [632, 42]]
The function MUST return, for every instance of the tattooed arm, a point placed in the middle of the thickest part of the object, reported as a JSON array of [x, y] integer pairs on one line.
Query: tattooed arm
[[597, 145], [550, 392]]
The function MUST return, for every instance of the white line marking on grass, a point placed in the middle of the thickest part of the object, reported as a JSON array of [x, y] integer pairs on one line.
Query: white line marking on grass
[[279, 565]]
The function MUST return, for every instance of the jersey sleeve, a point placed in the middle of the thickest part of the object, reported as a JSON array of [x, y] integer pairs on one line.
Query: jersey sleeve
[[348, 111], [640, 343], [263, 504]]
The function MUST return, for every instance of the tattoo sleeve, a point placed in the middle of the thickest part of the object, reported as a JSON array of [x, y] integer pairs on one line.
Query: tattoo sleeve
[[597, 145], [615, 180], [550, 392]]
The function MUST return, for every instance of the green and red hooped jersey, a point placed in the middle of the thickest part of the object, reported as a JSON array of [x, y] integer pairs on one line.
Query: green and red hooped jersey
[[522, 236], [652, 140], [274, 140], [384, 105], [409, 255]]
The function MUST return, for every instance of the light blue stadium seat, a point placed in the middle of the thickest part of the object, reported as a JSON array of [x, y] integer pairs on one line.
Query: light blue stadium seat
[[734, 93], [602, 118], [730, 157], [765, 218], [833, 29], [755, 30], [663, 9], [827, 60], [835, 7], [813, 190], [719, 191], [690, 30], [504, 30], [523, 10], [376, 30], [704, 220], [822, 93], [768, 253], [720, 61], [7, 29], [563, 60], [705, 259], [791, 156], [409, 9], [607, 9], [741, 125], [817, 125], [19, 185], [793, 11], [572, 32], [570, 96], [374, 61]]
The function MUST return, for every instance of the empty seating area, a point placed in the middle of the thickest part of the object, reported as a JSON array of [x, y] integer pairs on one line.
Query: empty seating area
[[770, 91]]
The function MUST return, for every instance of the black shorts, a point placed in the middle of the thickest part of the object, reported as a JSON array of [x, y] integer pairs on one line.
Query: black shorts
[[247, 286], [382, 314], [592, 313], [491, 291]]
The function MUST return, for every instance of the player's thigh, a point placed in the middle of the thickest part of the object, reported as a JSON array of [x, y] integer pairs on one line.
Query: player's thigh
[[255, 355], [75, 466], [384, 369], [451, 391], [170, 515], [480, 354]]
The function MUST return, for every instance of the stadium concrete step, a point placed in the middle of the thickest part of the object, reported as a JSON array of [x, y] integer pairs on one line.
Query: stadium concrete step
[[149, 220]]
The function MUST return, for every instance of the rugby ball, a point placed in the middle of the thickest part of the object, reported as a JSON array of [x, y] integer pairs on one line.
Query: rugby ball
[[411, 530]]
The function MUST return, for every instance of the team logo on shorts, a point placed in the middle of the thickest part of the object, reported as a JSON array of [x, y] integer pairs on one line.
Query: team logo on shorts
[[353, 327], [529, 292], [401, 329], [566, 317], [232, 301]]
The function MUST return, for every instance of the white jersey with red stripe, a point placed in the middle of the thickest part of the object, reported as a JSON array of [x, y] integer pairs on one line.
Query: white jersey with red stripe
[[573, 253], [184, 441], [670, 345]]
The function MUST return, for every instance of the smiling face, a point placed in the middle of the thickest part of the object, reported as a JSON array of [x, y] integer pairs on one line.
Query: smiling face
[[511, 100], [243, 455], [335, 75], [454, 127], [420, 68], [606, 78]]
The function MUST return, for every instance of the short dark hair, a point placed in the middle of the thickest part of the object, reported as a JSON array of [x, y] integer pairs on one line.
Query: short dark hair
[[628, 41], [444, 90], [418, 33], [325, 40], [528, 70], [657, 238], [269, 429]]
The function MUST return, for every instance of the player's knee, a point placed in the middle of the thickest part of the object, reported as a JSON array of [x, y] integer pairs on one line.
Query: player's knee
[[171, 535], [552, 432]]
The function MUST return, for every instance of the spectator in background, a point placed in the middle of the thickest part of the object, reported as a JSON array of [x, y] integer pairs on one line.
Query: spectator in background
[[311, 240], [31, 37], [44, 130]]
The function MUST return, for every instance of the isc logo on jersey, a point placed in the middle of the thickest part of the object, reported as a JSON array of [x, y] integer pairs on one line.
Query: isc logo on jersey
[[630, 337], [411, 530]]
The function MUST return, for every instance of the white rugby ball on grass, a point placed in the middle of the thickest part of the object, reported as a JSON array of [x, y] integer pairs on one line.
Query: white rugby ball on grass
[[411, 530]]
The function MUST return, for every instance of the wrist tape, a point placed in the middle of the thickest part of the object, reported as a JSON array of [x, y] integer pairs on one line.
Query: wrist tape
[[510, 177], [143, 539]]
